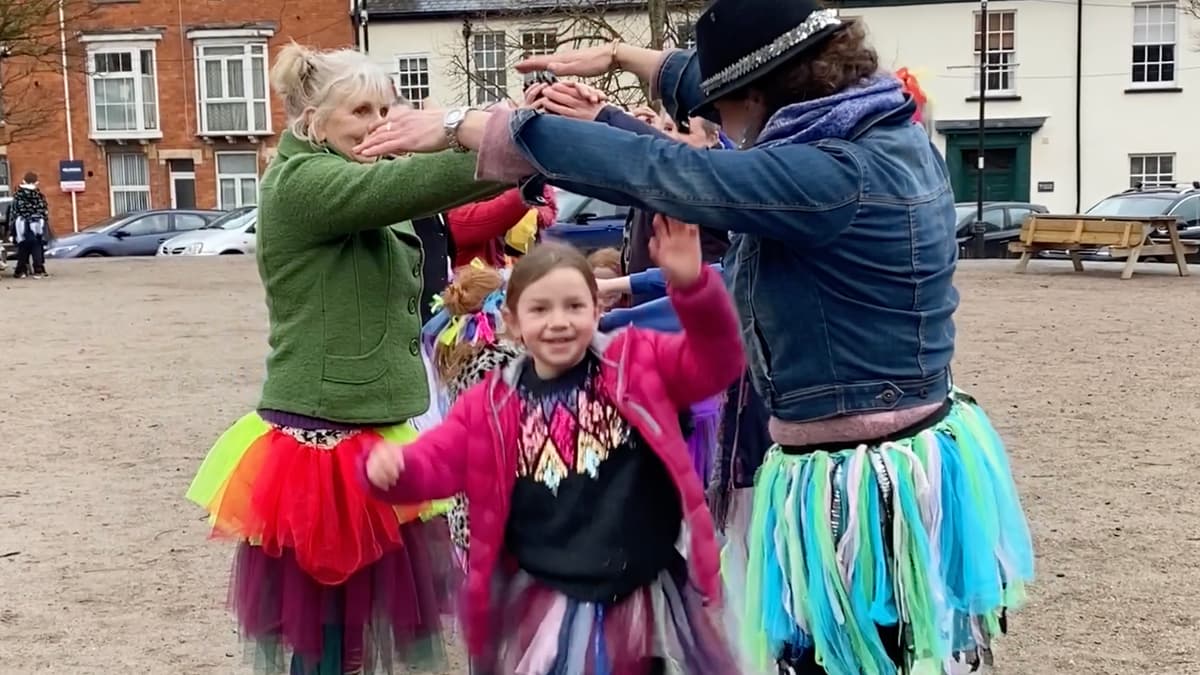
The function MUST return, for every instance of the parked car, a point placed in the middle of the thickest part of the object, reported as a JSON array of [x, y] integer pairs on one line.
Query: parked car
[[231, 234], [1181, 202], [5, 233], [1003, 219], [587, 223], [128, 234]]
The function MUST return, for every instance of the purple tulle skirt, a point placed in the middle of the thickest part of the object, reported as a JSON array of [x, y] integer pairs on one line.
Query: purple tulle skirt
[[704, 439], [387, 617]]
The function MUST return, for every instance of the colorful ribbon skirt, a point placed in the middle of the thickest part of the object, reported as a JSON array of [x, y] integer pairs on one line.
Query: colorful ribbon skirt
[[898, 557], [661, 629]]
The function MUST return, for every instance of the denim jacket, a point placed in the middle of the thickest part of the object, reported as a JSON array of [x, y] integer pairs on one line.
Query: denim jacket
[[844, 250]]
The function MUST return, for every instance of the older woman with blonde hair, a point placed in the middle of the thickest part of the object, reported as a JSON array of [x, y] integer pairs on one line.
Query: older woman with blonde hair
[[327, 581]]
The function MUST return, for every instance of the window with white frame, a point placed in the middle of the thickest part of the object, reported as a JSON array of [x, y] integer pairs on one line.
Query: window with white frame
[[128, 182], [1151, 170], [123, 88], [489, 67], [232, 79], [997, 41], [412, 79], [538, 42], [237, 179], [5, 177], [1154, 44]]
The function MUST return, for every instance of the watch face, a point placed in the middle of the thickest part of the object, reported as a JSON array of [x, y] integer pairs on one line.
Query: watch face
[[454, 117]]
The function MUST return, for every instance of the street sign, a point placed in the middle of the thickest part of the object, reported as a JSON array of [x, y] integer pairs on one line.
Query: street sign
[[70, 175]]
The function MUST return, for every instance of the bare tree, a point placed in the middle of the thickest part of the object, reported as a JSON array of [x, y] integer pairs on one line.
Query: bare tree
[[571, 24], [31, 53]]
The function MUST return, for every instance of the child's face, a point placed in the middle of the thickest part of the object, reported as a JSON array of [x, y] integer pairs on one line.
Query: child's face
[[555, 319], [610, 299]]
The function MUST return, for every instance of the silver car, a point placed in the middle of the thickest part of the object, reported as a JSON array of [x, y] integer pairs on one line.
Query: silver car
[[231, 234]]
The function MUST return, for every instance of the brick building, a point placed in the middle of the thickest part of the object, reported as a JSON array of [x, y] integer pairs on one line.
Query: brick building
[[169, 103]]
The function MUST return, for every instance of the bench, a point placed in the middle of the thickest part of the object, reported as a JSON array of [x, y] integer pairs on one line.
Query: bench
[[1125, 238]]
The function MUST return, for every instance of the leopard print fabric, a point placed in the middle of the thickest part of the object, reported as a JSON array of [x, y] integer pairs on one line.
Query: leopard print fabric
[[488, 359], [321, 439]]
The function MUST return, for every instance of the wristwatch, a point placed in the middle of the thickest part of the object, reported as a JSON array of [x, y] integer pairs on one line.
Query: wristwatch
[[450, 123]]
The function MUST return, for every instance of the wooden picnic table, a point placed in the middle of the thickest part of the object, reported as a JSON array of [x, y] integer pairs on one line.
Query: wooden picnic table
[[1125, 237]]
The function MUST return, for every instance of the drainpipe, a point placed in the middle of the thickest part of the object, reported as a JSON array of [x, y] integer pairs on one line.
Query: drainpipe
[[466, 33], [62, 41], [354, 21], [366, 34], [1078, 105]]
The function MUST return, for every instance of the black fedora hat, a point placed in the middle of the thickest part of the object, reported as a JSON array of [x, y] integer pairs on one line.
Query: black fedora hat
[[739, 41]]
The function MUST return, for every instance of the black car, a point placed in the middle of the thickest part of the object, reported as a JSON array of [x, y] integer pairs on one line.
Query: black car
[[1003, 221], [1181, 202]]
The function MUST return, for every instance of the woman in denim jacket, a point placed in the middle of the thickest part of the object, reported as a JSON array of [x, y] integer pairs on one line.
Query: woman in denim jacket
[[885, 533]]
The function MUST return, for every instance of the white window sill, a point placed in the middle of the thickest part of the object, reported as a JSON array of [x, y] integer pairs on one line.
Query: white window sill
[[1153, 87], [133, 135], [236, 134], [997, 95]]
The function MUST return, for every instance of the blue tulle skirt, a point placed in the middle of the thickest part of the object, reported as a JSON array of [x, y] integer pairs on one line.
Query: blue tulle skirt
[[902, 556]]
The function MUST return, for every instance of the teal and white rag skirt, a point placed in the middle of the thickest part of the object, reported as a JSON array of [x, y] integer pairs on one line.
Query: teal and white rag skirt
[[900, 556]]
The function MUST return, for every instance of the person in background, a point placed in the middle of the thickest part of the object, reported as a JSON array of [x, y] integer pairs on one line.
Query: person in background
[[477, 230], [639, 226], [29, 218], [606, 264]]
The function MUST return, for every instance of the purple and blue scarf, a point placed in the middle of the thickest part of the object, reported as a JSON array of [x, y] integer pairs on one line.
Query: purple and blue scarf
[[834, 116]]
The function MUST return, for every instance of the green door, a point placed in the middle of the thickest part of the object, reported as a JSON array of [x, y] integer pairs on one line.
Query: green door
[[1005, 166], [999, 175]]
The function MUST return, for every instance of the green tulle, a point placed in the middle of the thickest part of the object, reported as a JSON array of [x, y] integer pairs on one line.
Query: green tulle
[[232, 445], [224, 457]]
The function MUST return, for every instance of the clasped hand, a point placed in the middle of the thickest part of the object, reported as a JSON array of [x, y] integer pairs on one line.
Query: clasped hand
[[384, 465]]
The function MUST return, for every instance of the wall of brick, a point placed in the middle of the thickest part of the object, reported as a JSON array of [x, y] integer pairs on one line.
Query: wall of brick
[[319, 23]]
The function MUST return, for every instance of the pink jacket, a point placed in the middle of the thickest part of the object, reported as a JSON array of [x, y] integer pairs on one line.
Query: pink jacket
[[650, 376]]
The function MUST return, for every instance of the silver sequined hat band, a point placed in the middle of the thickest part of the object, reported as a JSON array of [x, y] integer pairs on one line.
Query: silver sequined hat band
[[816, 22]]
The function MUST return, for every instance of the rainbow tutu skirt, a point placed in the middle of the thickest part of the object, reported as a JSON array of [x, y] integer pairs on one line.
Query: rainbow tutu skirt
[[326, 580]]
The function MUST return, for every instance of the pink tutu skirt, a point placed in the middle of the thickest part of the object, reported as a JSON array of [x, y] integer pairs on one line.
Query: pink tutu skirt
[[661, 629]]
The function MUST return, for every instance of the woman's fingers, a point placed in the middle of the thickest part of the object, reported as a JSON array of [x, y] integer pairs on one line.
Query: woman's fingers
[[557, 108], [534, 63], [534, 92]]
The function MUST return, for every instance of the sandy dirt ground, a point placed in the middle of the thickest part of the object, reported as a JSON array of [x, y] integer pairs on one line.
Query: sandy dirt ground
[[119, 374]]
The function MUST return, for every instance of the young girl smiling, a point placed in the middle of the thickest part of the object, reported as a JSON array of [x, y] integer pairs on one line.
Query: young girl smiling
[[578, 478]]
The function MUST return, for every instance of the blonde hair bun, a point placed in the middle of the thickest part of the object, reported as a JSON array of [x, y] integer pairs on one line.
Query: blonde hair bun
[[313, 83], [291, 67]]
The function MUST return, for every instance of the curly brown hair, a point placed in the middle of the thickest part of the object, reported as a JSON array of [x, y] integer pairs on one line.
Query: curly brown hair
[[842, 62]]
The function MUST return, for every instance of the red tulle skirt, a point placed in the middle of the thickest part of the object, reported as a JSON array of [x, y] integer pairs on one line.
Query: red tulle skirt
[[325, 576], [284, 494]]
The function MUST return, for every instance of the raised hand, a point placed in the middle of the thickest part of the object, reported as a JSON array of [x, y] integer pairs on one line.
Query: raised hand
[[587, 62], [384, 465], [675, 247], [406, 130]]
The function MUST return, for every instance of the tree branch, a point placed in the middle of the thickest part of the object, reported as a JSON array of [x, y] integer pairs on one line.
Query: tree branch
[[32, 55], [576, 24]]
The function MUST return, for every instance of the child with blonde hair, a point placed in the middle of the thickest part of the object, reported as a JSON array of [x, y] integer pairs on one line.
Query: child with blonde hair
[[327, 580]]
